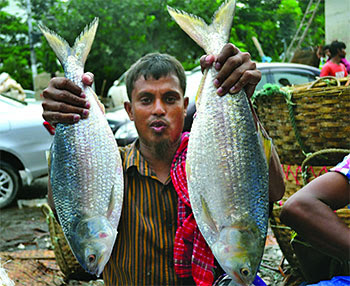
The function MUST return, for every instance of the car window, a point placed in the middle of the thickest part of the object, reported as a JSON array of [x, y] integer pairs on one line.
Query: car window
[[291, 77], [263, 81]]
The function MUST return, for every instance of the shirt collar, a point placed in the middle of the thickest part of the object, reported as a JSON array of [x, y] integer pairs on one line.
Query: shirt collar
[[134, 160]]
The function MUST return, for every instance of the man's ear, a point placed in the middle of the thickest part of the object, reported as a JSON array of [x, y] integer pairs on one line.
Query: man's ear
[[186, 101], [128, 108]]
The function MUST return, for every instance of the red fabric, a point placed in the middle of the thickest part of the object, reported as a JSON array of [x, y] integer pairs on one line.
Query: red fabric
[[333, 69], [192, 255]]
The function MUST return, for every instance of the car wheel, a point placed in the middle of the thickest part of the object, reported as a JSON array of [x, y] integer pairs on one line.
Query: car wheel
[[9, 184]]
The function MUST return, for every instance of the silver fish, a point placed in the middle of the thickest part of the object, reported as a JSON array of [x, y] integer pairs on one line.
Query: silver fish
[[227, 170], [86, 173]]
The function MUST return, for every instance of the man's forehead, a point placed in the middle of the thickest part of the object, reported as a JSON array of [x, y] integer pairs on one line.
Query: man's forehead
[[166, 83]]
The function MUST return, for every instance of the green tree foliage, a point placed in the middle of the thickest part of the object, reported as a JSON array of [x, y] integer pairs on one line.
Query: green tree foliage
[[129, 29], [14, 47]]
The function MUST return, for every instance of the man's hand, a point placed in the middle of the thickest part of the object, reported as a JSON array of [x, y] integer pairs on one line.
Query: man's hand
[[64, 101], [235, 70]]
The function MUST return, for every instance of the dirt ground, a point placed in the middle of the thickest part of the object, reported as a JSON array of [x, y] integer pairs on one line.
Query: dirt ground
[[26, 251]]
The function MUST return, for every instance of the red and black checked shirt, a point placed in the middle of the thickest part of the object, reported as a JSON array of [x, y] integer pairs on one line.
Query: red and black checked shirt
[[192, 255]]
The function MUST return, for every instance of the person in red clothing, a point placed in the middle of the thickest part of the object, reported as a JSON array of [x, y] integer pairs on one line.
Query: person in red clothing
[[335, 67]]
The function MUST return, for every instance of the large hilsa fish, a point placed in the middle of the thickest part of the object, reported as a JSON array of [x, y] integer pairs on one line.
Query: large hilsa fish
[[86, 174], [227, 170]]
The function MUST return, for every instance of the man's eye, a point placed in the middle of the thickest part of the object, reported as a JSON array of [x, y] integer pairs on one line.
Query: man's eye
[[170, 99], [145, 100]]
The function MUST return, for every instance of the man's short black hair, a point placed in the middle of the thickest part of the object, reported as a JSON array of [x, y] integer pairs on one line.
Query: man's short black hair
[[335, 46], [154, 65]]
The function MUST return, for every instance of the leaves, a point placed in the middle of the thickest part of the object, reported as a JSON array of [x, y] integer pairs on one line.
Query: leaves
[[129, 29]]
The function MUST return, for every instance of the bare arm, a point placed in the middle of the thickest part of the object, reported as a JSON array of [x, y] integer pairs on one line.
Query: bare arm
[[310, 212]]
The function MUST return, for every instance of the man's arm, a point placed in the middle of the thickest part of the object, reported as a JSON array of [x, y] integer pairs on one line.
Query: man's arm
[[310, 212]]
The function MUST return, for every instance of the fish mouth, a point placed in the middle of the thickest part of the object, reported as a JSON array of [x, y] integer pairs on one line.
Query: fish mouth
[[238, 279]]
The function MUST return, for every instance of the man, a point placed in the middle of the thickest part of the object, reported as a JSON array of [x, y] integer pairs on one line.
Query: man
[[335, 66], [310, 212], [144, 250]]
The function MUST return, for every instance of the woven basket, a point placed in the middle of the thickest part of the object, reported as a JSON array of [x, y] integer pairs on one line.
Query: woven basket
[[295, 177], [307, 118], [65, 259], [294, 181]]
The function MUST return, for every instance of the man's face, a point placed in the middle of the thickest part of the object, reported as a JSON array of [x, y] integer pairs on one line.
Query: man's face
[[158, 108], [342, 53]]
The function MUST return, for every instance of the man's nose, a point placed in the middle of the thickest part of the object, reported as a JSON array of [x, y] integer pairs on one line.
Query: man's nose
[[158, 108]]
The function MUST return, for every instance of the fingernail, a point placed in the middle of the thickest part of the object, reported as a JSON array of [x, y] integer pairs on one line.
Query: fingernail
[[87, 77], [83, 95], [87, 104], [220, 90], [232, 90], [76, 117], [207, 59], [216, 83], [86, 112], [217, 66]]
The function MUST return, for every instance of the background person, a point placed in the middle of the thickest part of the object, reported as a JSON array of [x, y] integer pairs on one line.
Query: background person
[[335, 66], [310, 212]]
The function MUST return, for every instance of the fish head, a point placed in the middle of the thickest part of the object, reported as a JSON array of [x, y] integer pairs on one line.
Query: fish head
[[235, 250], [92, 243]]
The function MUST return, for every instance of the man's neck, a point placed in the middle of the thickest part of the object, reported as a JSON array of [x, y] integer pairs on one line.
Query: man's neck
[[160, 164], [336, 60]]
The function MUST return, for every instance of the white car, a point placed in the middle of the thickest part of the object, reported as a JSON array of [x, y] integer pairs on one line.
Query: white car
[[24, 139]]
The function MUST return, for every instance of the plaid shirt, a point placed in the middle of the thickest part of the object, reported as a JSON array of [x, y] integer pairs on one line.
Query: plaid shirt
[[192, 255], [343, 167]]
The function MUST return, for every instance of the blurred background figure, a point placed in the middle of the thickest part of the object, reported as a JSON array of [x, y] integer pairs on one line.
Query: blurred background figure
[[337, 65]]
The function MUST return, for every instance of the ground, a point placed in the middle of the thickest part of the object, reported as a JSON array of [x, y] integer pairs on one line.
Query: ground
[[26, 251]]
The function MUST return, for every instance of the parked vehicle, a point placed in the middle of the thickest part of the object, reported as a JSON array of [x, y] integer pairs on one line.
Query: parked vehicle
[[24, 139], [285, 74], [275, 73]]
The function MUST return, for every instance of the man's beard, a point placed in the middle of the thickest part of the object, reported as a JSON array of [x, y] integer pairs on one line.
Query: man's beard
[[161, 149]]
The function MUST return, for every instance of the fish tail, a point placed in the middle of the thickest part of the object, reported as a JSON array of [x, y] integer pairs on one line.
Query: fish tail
[[81, 47], [210, 37]]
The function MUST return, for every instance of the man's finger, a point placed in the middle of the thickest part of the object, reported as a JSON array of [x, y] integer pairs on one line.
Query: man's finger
[[227, 51], [88, 78], [56, 117], [63, 83]]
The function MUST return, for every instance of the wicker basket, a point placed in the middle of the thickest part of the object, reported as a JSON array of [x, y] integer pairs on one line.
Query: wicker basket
[[295, 177], [65, 259], [307, 118]]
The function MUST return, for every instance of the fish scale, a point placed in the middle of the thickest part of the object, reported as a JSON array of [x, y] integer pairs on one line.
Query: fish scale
[[86, 173], [227, 171]]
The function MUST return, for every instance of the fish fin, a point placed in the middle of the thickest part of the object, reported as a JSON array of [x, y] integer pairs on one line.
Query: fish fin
[[266, 143], [206, 215], [83, 43], [210, 37], [81, 47], [57, 43], [200, 89], [111, 203]]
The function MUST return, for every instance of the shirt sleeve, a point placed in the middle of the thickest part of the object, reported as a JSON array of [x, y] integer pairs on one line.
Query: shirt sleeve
[[343, 167]]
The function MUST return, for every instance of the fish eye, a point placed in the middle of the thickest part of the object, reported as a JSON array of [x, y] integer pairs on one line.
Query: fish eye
[[245, 271], [92, 258]]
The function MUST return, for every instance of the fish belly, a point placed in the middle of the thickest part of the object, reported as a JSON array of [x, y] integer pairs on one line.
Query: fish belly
[[226, 165], [86, 170]]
